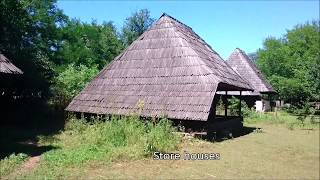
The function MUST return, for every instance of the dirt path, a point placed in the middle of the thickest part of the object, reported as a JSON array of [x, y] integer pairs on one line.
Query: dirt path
[[26, 167], [30, 164]]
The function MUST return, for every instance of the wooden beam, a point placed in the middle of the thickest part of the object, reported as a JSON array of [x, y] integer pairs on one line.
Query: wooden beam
[[240, 114], [213, 109], [226, 105]]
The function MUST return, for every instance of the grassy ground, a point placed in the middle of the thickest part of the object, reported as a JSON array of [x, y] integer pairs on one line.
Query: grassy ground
[[12, 162], [276, 153], [281, 148], [103, 141]]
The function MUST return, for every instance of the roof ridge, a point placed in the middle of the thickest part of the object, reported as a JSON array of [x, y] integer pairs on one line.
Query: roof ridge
[[243, 56], [6, 66], [191, 47], [209, 46], [210, 49], [254, 67], [167, 15]]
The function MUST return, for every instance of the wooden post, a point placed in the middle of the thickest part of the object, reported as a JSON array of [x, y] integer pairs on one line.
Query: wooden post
[[240, 114], [213, 109], [226, 105], [269, 98], [212, 115]]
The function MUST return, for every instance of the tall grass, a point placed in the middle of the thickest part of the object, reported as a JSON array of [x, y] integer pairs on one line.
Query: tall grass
[[284, 118], [10, 163], [120, 138]]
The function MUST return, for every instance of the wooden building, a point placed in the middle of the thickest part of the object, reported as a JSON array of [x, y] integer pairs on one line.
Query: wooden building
[[169, 71], [8, 74], [6, 67], [261, 96]]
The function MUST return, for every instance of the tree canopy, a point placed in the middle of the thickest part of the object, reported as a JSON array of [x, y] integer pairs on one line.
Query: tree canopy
[[292, 63], [29, 37], [89, 44], [135, 25], [50, 49], [42, 41]]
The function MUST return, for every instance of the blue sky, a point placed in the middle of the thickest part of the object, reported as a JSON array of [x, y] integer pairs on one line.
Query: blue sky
[[224, 25]]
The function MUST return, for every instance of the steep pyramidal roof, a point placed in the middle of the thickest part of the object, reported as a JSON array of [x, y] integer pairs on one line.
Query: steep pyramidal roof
[[7, 67], [169, 68], [242, 64]]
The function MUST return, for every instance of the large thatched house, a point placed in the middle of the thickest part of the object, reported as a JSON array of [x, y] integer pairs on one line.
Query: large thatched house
[[244, 66], [169, 69], [6, 67]]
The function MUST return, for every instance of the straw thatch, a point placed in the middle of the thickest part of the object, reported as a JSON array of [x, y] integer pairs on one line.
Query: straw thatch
[[244, 66], [7, 67], [169, 69]]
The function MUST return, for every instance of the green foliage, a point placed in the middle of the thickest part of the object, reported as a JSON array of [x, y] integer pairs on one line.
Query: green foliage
[[119, 138], [304, 112], [293, 90], [38, 38], [59, 56], [29, 37], [135, 25], [71, 81], [234, 107], [292, 63], [160, 137], [220, 107], [8, 164], [85, 50], [89, 44]]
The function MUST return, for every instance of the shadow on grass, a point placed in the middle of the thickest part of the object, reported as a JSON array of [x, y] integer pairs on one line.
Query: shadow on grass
[[19, 140], [225, 134], [245, 131], [23, 121]]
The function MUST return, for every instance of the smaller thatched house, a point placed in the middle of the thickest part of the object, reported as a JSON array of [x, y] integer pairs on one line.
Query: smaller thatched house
[[7, 67], [244, 66], [9, 74]]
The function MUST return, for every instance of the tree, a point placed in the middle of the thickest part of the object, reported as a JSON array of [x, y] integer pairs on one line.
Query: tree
[[135, 25], [71, 81], [89, 44], [291, 63], [29, 36], [86, 48]]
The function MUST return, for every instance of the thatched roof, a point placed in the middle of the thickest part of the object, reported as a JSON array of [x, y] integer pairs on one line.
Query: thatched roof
[[169, 68], [7, 67], [244, 66]]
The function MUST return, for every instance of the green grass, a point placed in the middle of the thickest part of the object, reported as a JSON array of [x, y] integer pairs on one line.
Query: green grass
[[9, 164], [283, 118], [121, 148], [118, 139], [276, 153]]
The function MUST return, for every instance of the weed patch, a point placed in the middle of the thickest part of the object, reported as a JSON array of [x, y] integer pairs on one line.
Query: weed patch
[[119, 138], [8, 164]]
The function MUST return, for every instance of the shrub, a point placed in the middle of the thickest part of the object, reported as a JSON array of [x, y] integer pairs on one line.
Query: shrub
[[160, 137], [71, 81], [234, 107], [107, 140]]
